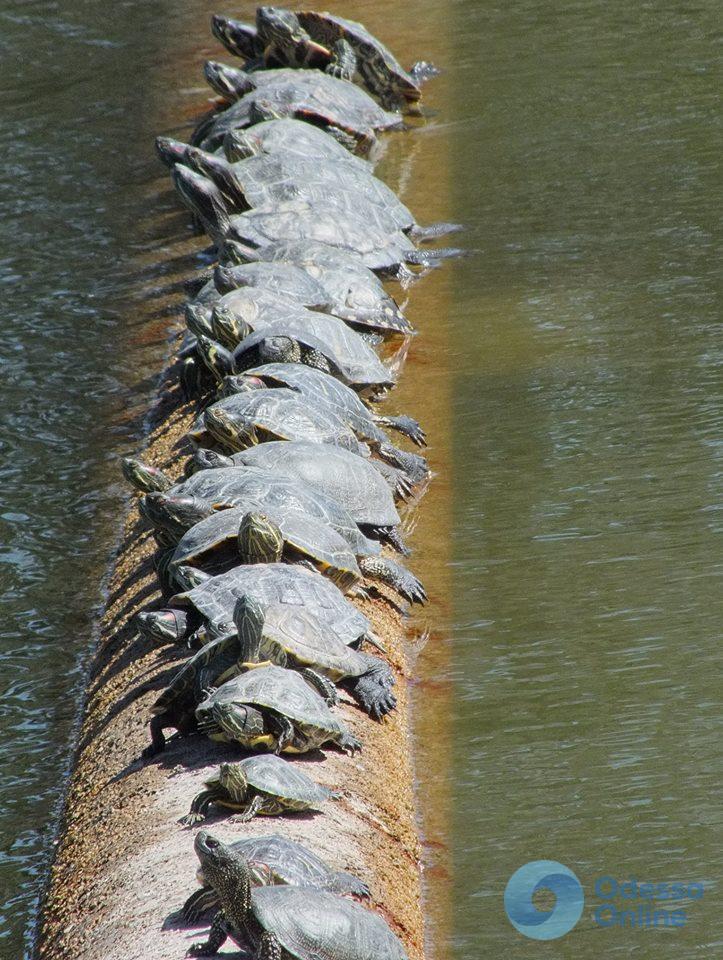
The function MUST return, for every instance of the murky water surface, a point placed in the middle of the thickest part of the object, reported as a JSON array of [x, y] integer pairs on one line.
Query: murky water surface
[[568, 377]]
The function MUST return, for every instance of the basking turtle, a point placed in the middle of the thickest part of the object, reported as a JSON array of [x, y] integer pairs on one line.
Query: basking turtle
[[242, 535], [320, 387], [272, 710], [365, 235], [272, 135], [350, 480], [240, 39], [213, 601], [265, 785], [301, 94], [283, 921], [257, 416], [278, 860]]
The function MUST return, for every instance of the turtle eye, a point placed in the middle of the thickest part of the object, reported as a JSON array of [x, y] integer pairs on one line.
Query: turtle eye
[[212, 843]]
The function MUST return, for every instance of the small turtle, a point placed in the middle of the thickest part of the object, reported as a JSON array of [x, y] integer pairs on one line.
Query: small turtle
[[272, 134], [224, 539], [213, 600], [366, 236], [301, 94], [283, 921], [272, 710], [279, 861], [264, 785]]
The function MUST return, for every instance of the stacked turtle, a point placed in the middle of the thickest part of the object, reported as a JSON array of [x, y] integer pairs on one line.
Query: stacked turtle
[[289, 506]]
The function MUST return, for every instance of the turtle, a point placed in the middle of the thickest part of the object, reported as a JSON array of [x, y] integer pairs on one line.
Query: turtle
[[240, 39], [321, 387], [364, 234], [245, 535], [278, 860], [381, 72], [265, 784], [340, 475], [274, 710], [272, 134], [212, 602], [263, 180], [245, 419], [310, 95], [280, 922]]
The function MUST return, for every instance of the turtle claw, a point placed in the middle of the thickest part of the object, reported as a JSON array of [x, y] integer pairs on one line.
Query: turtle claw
[[349, 744], [191, 819], [407, 426]]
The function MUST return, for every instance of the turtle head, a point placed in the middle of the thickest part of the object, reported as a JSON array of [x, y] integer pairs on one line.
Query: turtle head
[[231, 431], [279, 349], [228, 324], [280, 29], [204, 199], [218, 171], [228, 872], [263, 110], [226, 279], [197, 320], [241, 144], [216, 357], [242, 383], [188, 578], [234, 252], [209, 460], [229, 82], [259, 539], [248, 618], [162, 626], [239, 38], [143, 476], [175, 514], [232, 780], [170, 151]]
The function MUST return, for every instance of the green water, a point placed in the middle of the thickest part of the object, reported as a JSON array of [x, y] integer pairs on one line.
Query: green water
[[587, 414]]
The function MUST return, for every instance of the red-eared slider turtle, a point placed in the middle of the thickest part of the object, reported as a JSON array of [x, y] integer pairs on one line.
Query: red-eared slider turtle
[[286, 922], [213, 602], [321, 388], [258, 416], [366, 236], [284, 135], [245, 535], [264, 785], [351, 481], [272, 710], [300, 94], [240, 39], [268, 537], [284, 862]]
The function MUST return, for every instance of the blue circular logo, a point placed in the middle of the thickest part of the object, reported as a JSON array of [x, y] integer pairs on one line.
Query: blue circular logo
[[544, 924]]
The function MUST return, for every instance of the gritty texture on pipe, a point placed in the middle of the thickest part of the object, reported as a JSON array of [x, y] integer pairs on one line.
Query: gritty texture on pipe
[[124, 865]]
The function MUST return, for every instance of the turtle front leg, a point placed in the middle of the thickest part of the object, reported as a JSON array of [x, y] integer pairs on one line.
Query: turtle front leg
[[217, 936], [269, 948], [158, 739], [283, 730], [322, 685], [249, 812], [343, 61], [395, 575], [199, 807], [198, 903]]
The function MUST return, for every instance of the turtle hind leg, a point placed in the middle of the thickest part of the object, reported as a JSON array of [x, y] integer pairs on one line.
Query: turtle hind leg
[[407, 426], [323, 686], [343, 62], [423, 70], [371, 691], [391, 536], [395, 575], [415, 467], [434, 230], [158, 739]]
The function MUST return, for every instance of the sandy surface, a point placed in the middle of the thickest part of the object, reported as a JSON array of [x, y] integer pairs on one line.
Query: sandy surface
[[124, 865]]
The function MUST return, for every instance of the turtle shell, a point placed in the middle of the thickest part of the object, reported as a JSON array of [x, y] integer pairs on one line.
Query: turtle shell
[[381, 71], [283, 691], [305, 638], [307, 536], [283, 414], [289, 92], [319, 386], [368, 237], [267, 181], [295, 138], [315, 925], [270, 774], [253, 489], [216, 598], [351, 290], [348, 479]]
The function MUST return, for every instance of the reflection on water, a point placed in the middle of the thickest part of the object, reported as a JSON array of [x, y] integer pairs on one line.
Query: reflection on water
[[585, 426]]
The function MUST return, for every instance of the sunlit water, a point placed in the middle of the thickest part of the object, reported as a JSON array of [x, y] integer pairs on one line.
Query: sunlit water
[[567, 375]]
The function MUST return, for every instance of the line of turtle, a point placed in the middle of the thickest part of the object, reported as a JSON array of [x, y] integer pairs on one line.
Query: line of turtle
[[289, 500]]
